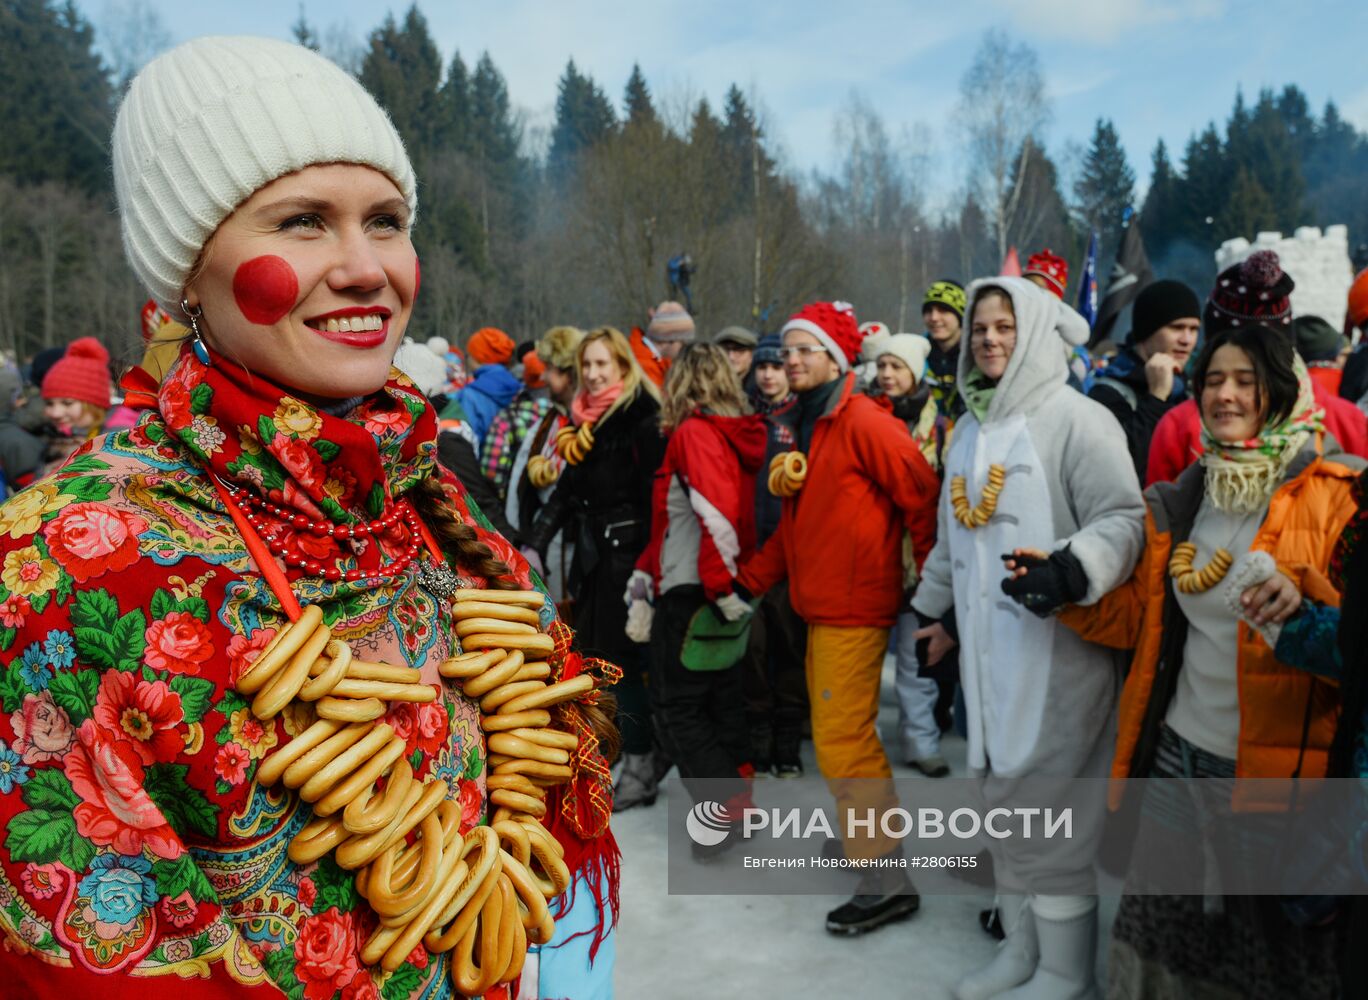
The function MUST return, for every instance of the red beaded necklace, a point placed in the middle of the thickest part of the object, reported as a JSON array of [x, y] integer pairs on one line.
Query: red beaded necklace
[[281, 542]]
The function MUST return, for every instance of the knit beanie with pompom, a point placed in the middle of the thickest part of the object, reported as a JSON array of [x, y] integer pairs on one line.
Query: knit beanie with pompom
[[834, 325], [82, 374], [1256, 290]]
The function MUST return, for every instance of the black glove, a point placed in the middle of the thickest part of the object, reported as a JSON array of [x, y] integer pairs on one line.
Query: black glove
[[1048, 584]]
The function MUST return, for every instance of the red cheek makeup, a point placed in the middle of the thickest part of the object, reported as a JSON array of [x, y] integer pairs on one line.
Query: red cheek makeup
[[266, 289]]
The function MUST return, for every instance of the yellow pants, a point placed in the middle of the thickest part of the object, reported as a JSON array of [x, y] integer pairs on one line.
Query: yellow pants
[[844, 666]]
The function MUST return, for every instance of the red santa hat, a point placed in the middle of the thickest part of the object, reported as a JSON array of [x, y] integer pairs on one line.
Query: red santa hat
[[834, 325], [1054, 269]]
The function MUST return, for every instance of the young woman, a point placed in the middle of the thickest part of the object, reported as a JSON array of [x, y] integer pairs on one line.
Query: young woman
[[899, 363], [184, 601], [702, 527], [603, 497], [1031, 464], [77, 394], [1223, 706]]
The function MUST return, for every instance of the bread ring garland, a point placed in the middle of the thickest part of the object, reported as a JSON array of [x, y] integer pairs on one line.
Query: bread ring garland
[[574, 443], [982, 512], [427, 883], [1197, 581], [541, 471], [787, 472]]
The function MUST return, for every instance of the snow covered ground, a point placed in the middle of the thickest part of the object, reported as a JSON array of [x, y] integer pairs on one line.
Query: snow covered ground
[[684, 947]]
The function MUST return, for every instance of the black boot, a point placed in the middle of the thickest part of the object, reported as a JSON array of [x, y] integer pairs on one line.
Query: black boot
[[882, 896], [788, 761], [761, 746]]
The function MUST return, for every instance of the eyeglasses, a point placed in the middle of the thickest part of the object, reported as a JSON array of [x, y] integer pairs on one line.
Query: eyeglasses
[[802, 350]]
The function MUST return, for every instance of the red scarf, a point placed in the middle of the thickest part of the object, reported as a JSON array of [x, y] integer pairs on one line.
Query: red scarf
[[246, 430], [587, 408]]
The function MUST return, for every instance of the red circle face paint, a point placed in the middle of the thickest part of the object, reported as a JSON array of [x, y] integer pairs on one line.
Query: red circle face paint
[[417, 277], [265, 289]]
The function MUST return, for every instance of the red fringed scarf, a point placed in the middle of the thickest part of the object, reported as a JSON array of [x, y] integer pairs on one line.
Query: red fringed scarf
[[577, 813]]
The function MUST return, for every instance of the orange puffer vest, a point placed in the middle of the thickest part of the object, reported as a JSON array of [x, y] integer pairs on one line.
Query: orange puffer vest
[[1287, 716]]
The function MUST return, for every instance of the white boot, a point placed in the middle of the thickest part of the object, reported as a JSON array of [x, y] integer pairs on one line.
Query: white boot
[[1016, 956], [1068, 957]]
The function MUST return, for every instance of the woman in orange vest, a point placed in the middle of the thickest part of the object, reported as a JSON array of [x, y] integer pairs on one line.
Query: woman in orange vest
[[1206, 697]]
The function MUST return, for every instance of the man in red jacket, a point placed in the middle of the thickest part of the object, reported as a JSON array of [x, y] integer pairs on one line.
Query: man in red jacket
[[1255, 291], [839, 543]]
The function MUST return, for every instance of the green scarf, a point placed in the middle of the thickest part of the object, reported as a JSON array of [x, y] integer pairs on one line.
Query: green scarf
[[977, 393], [1241, 476]]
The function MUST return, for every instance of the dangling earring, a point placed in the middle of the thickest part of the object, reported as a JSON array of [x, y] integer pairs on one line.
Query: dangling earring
[[197, 344]]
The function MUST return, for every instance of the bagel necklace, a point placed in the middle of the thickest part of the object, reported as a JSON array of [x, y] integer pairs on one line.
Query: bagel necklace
[[787, 472], [483, 895], [574, 443], [1197, 581], [982, 512]]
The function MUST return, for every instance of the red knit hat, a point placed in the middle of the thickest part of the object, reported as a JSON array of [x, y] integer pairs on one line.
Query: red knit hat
[[534, 370], [490, 346], [833, 323], [82, 374], [1256, 290], [1054, 269]]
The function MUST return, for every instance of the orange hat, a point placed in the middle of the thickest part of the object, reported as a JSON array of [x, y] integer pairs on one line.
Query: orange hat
[[534, 370], [1358, 299], [490, 346]]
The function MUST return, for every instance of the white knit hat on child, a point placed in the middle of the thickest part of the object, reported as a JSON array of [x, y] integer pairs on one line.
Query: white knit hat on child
[[909, 348], [209, 123]]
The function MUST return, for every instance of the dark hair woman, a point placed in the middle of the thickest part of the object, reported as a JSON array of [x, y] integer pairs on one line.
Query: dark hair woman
[[1234, 549], [226, 624]]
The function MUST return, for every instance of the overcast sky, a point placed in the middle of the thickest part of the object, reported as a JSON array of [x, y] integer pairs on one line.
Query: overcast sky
[[1158, 68]]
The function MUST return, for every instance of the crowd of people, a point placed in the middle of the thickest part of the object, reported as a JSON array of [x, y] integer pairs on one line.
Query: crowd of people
[[1133, 567]]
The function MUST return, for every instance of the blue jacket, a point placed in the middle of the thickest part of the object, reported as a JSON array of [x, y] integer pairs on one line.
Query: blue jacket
[[492, 388]]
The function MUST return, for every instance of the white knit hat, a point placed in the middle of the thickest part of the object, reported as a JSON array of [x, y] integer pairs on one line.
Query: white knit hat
[[910, 348], [207, 124], [427, 371]]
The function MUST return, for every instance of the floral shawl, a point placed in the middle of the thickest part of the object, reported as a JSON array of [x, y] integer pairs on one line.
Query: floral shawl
[[133, 838]]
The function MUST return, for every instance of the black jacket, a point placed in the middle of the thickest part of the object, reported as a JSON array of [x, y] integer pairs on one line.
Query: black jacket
[[1137, 412], [605, 505], [458, 455]]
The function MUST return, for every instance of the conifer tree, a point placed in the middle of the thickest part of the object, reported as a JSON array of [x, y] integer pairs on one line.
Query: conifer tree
[[1104, 189], [584, 117]]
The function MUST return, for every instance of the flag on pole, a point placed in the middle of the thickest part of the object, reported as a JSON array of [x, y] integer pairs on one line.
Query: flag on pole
[[1131, 273], [1087, 285], [1011, 265]]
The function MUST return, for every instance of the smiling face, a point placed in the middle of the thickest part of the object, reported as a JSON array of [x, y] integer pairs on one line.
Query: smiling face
[[895, 378], [807, 362], [993, 335], [599, 370], [942, 325], [67, 415], [1233, 406], [311, 281]]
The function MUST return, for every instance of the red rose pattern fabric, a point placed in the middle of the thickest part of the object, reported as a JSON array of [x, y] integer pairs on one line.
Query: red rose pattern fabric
[[133, 838]]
